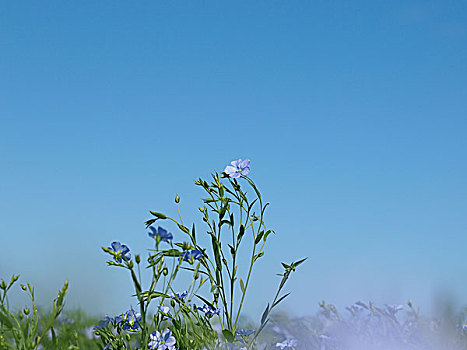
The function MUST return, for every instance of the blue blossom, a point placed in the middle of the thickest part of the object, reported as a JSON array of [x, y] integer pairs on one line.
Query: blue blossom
[[191, 255], [160, 234], [165, 312], [239, 167], [179, 296], [164, 341], [287, 344], [209, 311], [122, 251], [244, 333], [131, 321], [103, 323]]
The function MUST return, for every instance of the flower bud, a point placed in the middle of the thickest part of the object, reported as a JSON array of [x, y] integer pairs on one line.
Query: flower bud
[[3, 284], [177, 199], [37, 341], [26, 311], [128, 338], [137, 258], [23, 287], [172, 302], [165, 271]]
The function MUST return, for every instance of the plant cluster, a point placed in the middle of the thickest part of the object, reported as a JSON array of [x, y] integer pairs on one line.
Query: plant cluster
[[170, 319], [166, 319], [21, 330]]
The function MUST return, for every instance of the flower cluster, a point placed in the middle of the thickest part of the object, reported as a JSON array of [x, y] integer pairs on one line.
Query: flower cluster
[[129, 321], [209, 311]]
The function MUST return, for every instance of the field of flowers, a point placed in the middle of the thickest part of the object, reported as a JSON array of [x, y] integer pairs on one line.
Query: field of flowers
[[207, 313]]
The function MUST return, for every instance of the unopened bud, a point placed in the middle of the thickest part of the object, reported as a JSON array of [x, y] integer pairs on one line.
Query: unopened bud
[[26, 311], [37, 341], [23, 287], [172, 302], [128, 338], [3, 284], [177, 199], [165, 271], [137, 258]]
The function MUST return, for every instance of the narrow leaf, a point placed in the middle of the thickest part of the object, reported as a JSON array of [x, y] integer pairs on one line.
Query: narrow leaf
[[280, 299], [265, 314]]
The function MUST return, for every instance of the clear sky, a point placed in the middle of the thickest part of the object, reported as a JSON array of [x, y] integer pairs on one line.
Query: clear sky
[[354, 115]]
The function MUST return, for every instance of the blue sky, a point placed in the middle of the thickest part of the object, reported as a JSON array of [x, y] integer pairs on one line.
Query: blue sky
[[354, 115]]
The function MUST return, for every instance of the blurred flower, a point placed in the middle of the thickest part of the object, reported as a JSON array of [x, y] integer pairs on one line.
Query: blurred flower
[[287, 344], [121, 250], [62, 318], [239, 167], [244, 333], [103, 323], [160, 233], [393, 309], [164, 341], [209, 311], [89, 332]]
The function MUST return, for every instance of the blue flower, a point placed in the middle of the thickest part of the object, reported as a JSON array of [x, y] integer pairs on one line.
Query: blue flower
[[179, 296], [103, 323], [191, 255], [164, 341], [164, 310], [287, 344], [209, 311], [160, 234], [244, 333], [131, 321], [239, 167], [122, 252]]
